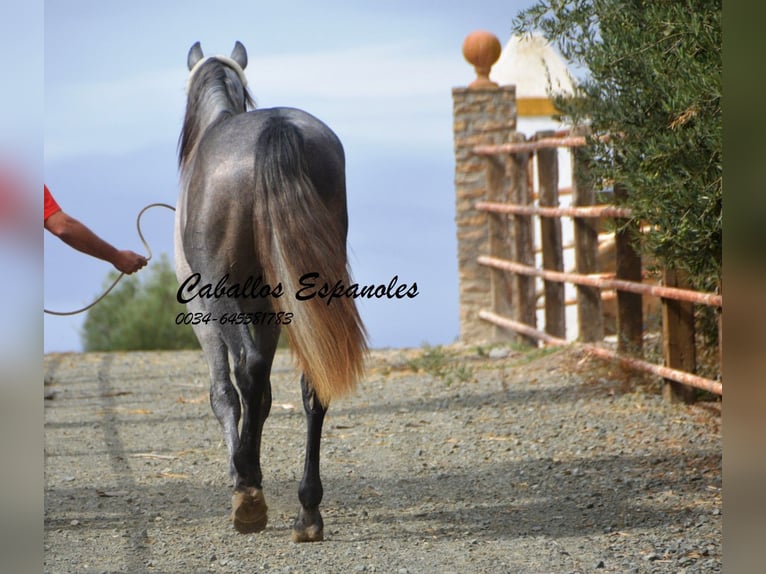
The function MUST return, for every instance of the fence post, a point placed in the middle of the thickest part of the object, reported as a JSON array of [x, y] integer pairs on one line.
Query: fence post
[[678, 344], [630, 313], [522, 242], [550, 237], [590, 321], [483, 113], [501, 288]]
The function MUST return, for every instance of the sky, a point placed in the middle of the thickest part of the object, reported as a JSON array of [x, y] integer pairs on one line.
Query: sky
[[380, 74]]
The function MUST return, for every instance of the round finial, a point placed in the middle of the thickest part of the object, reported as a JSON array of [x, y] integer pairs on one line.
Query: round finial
[[482, 49]]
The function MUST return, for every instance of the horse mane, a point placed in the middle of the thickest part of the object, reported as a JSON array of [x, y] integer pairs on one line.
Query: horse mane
[[215, 92]]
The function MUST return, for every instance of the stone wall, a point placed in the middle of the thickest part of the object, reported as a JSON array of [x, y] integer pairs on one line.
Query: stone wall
[[481, 115]]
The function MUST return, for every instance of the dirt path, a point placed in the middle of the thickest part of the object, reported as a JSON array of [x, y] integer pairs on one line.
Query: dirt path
[[446, 460]]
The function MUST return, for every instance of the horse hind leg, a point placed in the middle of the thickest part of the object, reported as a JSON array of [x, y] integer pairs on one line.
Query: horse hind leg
[[249, 510], [252, 371], [224, 399], [309, 526]]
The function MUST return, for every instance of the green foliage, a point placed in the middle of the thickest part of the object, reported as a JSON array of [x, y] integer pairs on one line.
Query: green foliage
[[432, 360], [439, 364], [139, 314], [653, 83]]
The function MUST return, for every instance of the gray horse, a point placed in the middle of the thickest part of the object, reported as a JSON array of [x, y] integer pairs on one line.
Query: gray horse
[[262, 205]]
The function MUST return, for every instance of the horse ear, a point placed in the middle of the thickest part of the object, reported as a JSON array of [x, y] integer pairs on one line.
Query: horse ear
[[239, 54], [195, 55]]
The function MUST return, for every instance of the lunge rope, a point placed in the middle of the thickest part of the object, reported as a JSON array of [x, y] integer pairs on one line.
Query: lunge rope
[[120, 276]]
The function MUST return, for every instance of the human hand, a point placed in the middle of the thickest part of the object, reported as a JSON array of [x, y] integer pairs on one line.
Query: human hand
[[128, 261]]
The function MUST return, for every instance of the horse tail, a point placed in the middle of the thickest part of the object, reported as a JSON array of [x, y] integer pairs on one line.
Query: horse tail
[[295, 234]]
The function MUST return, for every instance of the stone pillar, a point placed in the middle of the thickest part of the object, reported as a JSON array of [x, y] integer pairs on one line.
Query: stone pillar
[[483, 113]]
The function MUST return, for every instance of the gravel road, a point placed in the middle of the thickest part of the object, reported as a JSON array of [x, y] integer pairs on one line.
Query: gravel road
[[447, 460]]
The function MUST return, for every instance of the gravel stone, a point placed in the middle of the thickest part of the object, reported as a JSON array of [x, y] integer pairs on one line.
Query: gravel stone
[[525, 462]]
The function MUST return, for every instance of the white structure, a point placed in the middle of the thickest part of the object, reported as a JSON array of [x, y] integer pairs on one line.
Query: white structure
[[537, 70]]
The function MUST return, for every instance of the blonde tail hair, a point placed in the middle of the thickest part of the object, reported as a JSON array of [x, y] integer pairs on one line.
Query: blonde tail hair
[[296, 234]]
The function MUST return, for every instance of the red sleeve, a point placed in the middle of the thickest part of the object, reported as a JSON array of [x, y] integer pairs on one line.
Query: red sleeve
[[50, 206]]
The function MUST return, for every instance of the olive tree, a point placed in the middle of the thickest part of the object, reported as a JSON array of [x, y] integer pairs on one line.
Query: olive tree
[[652, 82]]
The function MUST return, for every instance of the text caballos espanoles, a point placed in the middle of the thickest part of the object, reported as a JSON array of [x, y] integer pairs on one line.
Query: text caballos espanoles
[[311, 286]]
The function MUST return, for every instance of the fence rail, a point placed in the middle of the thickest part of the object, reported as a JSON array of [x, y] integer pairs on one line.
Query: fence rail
[[595, 212], [598, 280], [541, 143], [630, 362], [510, 207]]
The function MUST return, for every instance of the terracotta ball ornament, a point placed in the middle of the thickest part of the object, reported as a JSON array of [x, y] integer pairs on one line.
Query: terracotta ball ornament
[[482, 49]]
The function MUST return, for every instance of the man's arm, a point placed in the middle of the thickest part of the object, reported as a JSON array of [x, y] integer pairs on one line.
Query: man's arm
[[77, 235]]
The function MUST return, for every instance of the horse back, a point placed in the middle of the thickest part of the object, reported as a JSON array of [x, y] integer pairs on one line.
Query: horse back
[[220, 197]]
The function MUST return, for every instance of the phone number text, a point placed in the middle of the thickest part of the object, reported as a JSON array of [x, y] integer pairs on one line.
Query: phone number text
[[281, 318]]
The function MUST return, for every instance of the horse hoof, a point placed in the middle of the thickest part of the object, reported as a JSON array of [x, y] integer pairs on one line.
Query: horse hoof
[[310, 534], [248, 510], [308, 527]]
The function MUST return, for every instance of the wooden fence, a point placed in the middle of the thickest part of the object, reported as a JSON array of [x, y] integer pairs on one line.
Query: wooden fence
[[513, 208]]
